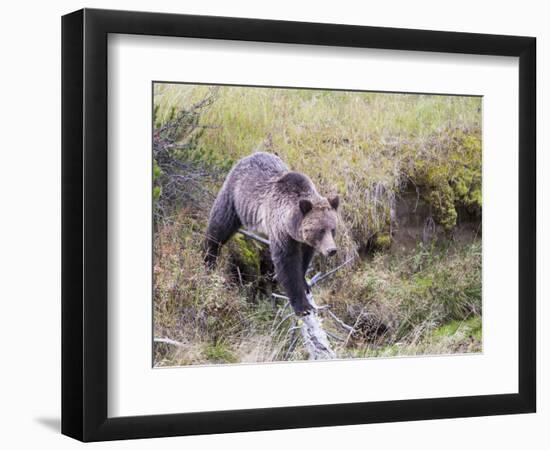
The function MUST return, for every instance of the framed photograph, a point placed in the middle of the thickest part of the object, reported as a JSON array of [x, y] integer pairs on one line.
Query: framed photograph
[[273, 224]]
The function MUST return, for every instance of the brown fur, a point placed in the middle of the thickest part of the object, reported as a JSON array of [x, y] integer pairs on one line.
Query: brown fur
[[261, 194]]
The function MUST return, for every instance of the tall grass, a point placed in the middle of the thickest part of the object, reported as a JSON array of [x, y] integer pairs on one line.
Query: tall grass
[[351, 143]]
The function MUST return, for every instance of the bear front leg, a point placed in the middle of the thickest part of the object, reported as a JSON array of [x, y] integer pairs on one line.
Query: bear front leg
[[307, 256], [288, 261]]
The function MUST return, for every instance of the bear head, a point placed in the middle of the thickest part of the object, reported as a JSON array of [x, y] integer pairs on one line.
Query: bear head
[[318, 226]]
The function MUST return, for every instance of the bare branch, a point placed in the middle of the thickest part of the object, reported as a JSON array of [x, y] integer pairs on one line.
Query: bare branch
[[240, 276], [314, 278], [318, 278], [335, 337], [359, 316], [168, 341], [340, 322], [254, 236]]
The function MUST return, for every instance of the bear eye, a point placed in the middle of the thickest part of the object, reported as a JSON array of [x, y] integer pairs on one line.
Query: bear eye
[[333, 231]]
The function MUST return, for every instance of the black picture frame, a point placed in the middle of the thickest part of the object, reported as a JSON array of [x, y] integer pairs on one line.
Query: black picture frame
[[84, 224]]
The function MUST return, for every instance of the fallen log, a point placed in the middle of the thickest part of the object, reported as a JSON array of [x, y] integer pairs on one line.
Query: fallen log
[[315, 338]]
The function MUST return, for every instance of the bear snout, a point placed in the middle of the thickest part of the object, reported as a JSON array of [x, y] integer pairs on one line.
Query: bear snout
[[329, 252], [327, 246]]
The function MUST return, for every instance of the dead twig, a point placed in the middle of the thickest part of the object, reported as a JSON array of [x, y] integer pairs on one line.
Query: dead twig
[[335, 336], [340, 322], [318, 278], [240, 276], [359, 317], [254, 236], [168, 341]]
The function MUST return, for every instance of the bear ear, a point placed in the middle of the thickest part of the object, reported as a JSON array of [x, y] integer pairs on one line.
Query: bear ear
[[334, 201], [305, 206]]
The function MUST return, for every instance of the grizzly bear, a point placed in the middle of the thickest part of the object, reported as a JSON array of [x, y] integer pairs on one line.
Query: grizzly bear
[[261, 194]]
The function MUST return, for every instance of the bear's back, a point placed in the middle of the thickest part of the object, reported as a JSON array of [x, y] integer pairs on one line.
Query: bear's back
[[266, 164], [296, 185]]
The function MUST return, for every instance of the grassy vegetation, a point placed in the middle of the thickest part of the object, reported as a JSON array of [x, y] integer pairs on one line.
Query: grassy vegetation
[[367, 147]]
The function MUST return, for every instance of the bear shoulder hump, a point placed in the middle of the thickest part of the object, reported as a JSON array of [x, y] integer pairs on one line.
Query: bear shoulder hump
[[295, 183]]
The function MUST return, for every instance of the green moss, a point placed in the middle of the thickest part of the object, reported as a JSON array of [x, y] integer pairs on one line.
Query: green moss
[[452, 176], [382, 241], [157, 185], [461, 188], [475, 197], [442, 199], [219, 353], [246, 254], [157, 190], [470, 328], [423, 283], [466, 179], [157, 171]]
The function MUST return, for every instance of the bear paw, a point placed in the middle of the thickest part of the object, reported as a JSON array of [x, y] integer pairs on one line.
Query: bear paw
[[303, 310]]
